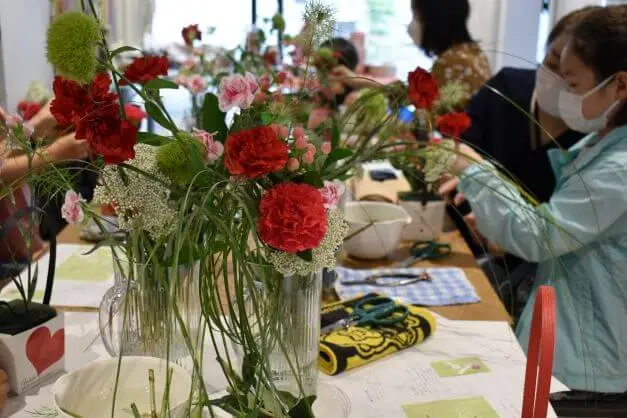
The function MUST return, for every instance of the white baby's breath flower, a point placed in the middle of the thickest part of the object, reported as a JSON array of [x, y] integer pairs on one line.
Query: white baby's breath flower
[[438, 160], [323, 256], [143, 203]]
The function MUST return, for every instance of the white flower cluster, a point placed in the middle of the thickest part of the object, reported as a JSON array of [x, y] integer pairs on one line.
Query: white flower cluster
[[142, 203], [438, 159], [323, 256]]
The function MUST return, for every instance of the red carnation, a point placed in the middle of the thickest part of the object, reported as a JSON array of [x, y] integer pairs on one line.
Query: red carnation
[[190, 34], [134, 114], [423, 89], [292, 218], [144, 69], [28, 109], [95, 113], [453, 124], [255, 152]]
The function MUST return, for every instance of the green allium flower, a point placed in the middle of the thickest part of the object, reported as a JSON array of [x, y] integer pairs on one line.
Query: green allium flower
[[278, 22], [181, 160], [319, 23], [72, 41], [375, 104]]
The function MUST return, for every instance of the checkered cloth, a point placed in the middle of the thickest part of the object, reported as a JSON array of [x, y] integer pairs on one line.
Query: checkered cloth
[[449, 286]]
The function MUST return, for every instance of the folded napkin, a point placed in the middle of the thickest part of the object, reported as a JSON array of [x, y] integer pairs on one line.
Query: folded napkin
[[449, 286], [351, 347]]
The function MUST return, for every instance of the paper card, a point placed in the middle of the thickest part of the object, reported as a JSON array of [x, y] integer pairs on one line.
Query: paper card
[[459, 367], [95, 267], [32, 356], [452, 408]]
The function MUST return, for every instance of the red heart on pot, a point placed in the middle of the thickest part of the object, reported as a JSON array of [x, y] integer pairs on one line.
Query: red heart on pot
[[43, 349]]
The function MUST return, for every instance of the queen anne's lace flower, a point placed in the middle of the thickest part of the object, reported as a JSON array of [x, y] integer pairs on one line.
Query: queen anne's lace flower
[[323, 256], [438, 159], [143, 203]]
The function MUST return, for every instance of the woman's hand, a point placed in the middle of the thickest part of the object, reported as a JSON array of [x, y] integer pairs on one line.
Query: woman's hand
[[346, 76], [44, 123], [67, 148], [4, 387], [466, 156]]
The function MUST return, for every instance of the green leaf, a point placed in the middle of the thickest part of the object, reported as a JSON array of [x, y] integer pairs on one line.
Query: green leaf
[[158, 116], [152, 139], [213, 117], [123, 49], [303, 408], [306, 255], [267, 118], [337, 154], [160, 83], [313, 178], [253, 414], [103, 243], [336, 134]]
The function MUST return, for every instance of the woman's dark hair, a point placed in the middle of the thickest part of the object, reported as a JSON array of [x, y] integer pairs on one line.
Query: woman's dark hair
[[444, 24], [600, 42], [568, 22], [348, 55]]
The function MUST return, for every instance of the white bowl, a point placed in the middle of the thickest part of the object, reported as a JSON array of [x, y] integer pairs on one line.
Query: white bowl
[[381, 225], [88, 391]]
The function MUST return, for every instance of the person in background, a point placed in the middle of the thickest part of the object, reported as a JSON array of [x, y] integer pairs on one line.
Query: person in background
[[347, 58], [578, 237], [439, 28], [516, 128]]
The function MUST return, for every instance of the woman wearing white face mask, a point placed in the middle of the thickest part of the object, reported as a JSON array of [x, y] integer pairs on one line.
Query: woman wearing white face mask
[[504, 130], [579, 238], [440, 29]]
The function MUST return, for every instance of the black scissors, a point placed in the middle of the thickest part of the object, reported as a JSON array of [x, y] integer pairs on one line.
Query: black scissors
[[425, 250]]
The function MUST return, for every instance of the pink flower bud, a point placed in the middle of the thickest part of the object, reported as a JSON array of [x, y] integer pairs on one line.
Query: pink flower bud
[[301, 142], [308, 157], [281, 77], [293, 164], [283, 131], [326, 148], [311, 148], [298, 132]]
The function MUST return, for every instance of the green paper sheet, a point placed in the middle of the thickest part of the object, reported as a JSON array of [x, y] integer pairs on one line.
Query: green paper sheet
[[95, 267], [476, 407], [459, 367]]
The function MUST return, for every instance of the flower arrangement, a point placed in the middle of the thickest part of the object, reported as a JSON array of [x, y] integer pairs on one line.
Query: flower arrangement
[[223, 217]]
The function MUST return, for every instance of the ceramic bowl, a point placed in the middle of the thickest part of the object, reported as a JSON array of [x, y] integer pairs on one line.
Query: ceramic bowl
[[88, 391], [381, 225]]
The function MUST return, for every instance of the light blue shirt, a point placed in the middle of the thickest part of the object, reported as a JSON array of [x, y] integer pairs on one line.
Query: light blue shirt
[[579, 239]]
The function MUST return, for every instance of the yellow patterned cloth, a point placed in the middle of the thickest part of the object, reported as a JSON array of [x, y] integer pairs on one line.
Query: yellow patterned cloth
[[351, 347]]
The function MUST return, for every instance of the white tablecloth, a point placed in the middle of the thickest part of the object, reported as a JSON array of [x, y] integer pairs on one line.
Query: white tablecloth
[[375, 390]]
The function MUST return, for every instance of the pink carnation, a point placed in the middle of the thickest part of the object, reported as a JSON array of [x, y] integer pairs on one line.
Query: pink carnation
[[331, 194], [71, 210], [196, 84], [237, 90], [317, 116], [301, 142], [213, 149], [308, 157], [293, 164]]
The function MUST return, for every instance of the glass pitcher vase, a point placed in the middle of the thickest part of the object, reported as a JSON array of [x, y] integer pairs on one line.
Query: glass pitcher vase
[[152, 310]]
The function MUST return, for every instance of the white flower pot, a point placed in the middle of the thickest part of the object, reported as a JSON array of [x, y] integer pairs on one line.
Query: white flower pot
[[427, 221]]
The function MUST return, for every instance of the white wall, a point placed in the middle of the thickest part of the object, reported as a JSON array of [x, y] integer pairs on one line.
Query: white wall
[[23, 25], [484, 26], [518, 33]]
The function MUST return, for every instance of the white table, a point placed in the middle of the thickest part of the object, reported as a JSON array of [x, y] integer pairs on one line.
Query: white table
[[375, 390]]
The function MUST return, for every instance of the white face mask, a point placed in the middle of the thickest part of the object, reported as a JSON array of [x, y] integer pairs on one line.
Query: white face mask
[[570, 107], [548, 88], [414, 30]]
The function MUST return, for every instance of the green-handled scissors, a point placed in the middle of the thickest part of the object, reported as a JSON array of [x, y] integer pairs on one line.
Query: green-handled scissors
[[425, 250], [376, 311]]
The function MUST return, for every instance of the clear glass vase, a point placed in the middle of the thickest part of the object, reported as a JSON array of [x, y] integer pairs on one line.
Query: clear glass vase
[[151, 310], [293, 354]]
